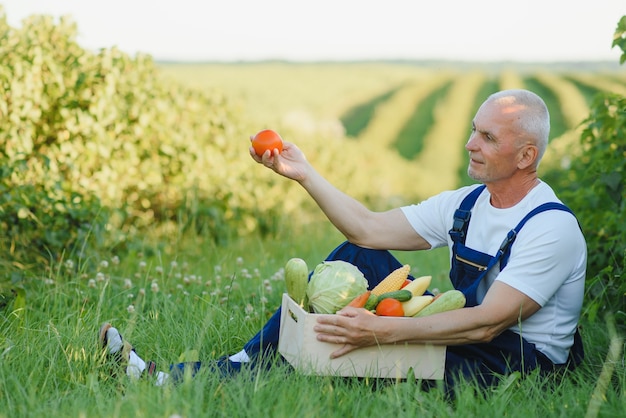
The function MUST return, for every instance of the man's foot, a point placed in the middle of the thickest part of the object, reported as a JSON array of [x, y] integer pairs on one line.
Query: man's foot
[[116, 349], [111, 340], [123, 353]]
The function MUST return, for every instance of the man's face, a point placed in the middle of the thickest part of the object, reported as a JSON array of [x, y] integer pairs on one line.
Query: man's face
[[492, 146]]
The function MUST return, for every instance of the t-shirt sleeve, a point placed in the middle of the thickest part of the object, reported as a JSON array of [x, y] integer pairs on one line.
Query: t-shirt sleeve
[[432, 218]]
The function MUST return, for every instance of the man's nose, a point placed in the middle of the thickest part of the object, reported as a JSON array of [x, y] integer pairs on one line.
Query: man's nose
[[470, 144]]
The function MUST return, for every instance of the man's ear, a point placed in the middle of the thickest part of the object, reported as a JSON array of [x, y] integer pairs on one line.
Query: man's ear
[[528, 156]]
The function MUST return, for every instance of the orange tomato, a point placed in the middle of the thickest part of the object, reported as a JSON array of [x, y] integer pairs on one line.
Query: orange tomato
[[267, 139], [389, 307]]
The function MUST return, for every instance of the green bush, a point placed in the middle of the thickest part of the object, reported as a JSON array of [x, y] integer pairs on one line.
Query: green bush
[[41, 220], [101, 141], [595, 185]]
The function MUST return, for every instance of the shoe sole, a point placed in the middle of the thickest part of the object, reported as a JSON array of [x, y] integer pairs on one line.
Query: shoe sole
[[103, 334]]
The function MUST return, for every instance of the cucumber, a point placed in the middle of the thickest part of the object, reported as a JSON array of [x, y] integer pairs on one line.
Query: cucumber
[[371, 303], [297, 279], [402, 295], [448, 301]]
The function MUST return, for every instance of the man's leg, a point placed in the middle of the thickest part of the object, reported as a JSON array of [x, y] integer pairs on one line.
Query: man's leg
[[486, 363]]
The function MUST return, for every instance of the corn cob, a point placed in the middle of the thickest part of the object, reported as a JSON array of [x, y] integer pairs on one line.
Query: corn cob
[[393, 281]]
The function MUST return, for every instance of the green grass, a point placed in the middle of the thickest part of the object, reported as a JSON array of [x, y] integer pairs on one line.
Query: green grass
[[212, 299]]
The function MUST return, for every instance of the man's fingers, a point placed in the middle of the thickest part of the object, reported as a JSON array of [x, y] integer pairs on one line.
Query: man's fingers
[[345, 349]]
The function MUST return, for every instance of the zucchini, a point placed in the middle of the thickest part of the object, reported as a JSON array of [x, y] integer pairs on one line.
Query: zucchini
[[297, 279], [447, 301], [416, 304], [419, 285]]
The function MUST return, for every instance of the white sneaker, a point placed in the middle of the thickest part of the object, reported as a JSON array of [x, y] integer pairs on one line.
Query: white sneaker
[[123, 353]]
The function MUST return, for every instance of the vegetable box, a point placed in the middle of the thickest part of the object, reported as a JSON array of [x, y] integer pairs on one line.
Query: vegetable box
[[299, 346]]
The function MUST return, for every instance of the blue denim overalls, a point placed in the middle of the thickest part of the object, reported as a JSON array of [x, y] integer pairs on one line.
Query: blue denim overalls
[[506, 353]]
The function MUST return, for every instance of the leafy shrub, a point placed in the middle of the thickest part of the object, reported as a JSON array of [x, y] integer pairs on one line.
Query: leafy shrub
[[42, 220], [102, 137], [596, 186]]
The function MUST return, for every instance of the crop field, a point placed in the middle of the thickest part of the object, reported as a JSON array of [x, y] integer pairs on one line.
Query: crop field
[[413, 118]]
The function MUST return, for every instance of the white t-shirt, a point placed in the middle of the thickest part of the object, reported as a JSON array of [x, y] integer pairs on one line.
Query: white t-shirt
[[547, 262]]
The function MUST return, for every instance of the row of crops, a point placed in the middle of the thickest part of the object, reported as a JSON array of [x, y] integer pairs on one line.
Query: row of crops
[[422, 115]]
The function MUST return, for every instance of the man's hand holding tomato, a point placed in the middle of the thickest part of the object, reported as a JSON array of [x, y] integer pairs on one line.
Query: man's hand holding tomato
[[290, 162]]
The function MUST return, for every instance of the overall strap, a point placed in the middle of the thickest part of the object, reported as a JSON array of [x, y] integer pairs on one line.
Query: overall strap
[[503, 253], [462, 215], [505, 247]]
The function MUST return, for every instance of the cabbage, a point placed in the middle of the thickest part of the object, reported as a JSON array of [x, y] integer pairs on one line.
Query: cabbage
[[333, 285]]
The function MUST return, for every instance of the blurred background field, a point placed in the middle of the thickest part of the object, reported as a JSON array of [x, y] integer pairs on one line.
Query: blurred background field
[[127, 194]]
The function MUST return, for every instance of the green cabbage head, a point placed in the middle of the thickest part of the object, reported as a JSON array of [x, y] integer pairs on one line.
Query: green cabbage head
[[333, 285]]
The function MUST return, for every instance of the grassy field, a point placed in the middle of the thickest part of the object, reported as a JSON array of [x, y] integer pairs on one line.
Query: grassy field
[[169, 296], [212, 299]]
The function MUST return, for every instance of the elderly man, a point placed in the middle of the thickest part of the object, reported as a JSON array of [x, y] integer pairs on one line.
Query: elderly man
[[516, 252]]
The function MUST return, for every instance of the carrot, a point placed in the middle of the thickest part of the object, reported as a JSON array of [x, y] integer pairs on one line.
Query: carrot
[[359, 301]]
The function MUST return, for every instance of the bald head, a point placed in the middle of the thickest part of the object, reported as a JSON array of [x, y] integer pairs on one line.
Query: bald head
[[531, 116]]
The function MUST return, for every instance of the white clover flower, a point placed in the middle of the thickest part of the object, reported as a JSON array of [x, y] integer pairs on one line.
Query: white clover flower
[[142, 265], [263, 300], [185, 266], [174, 264], [154, 287], [178, 275], [142, 292], [208, 283], [69, 264], [49, 281], [91, 283], [130, 296], [239, 261], [186, 280], [127, 284], [217, 268], [100, 276], [179, 286], [249, 309], [159, 269], [130, 308], [104, 264], [115, 260]]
